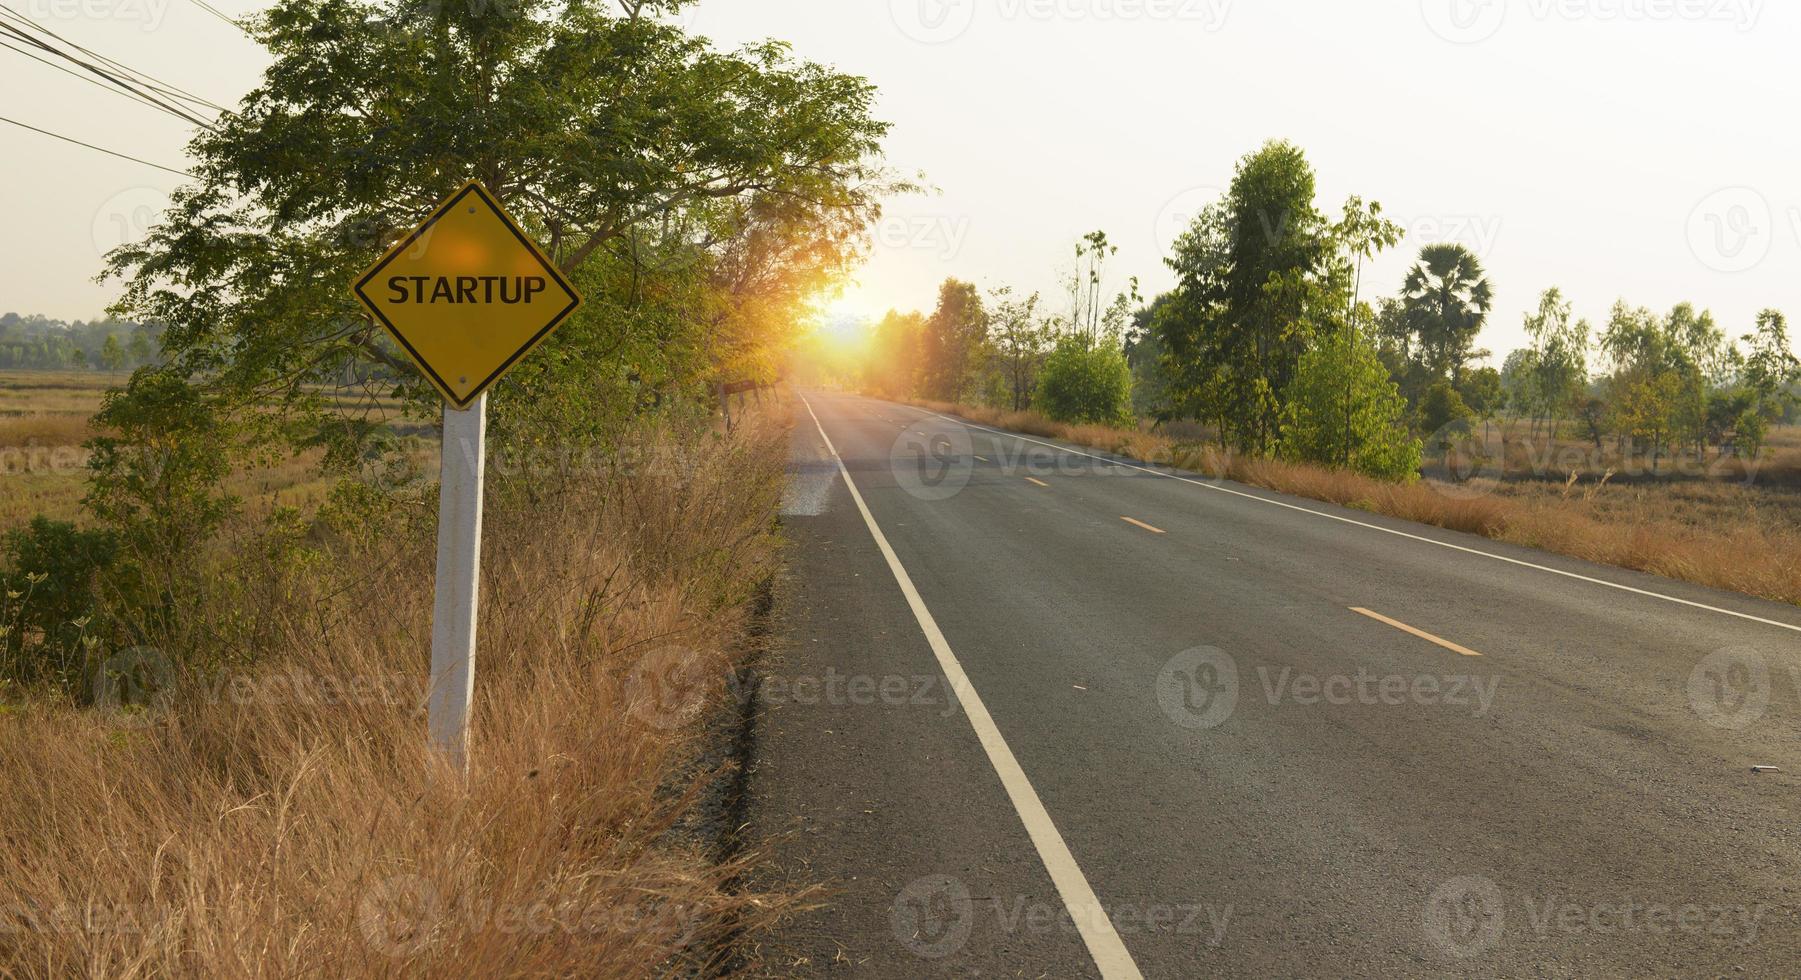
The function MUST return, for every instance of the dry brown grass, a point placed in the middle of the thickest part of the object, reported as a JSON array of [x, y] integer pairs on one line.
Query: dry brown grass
[[1745, 537], [44, 420], [44, 429], [281, 815]]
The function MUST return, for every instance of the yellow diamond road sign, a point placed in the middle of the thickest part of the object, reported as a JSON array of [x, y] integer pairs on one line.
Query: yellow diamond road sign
[[467, 294]]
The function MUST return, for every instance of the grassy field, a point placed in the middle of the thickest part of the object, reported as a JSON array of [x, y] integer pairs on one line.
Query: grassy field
[[277, 812], [44, 422], [1737, 527]]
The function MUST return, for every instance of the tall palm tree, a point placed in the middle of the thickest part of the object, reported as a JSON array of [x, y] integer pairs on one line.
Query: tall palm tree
[[1445, 301]]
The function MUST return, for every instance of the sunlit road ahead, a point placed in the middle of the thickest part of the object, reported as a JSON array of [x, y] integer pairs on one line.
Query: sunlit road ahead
[[1209, 730]]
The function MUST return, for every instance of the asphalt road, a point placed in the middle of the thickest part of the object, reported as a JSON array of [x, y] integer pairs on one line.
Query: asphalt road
[[1209, 730]]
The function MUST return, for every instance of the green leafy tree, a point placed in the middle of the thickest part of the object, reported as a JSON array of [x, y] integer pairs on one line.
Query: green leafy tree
[[1369, 430], [1019, 339], [139, 348], [1556, 365], [1444, 417], [1659, 385], [1445, 301], [1085, 381], [1771, 370], [894, 366], [112, 354], [1254, 277], [1749, 433], [1143, 348], [953, 342], [699, 198], [1483, 393], [1647, 410], [1090, 312], [1360, 235]]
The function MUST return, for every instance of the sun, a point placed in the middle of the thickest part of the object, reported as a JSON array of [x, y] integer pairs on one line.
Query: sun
[[845, 323]]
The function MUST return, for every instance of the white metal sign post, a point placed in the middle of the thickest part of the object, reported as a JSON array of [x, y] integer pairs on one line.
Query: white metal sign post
[[468, 294], [459, 580]]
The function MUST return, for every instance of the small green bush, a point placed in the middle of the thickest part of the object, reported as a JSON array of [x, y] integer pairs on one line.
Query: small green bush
[[1085, 383], [51, 609]]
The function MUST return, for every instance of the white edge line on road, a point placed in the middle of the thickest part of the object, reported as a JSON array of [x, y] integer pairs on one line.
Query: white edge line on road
[[1085, 910], [1377, 527]]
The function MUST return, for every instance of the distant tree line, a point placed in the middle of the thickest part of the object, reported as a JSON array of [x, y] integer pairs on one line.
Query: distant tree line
[[1017, 351], [1268, 340], [39, 343]]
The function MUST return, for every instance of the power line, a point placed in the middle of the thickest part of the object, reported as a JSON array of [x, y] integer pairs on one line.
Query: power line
[[119, 90], [102, 149], [123, 84], [209, 8], [141, 78]]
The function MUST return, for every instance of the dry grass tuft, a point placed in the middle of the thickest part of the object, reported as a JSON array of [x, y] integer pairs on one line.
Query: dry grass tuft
[[44, 429], [286, 819]]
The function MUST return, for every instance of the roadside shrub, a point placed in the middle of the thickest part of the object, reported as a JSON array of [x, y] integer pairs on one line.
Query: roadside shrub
[[51, 606], [1085, 383], [1343, 411], [155, 482]]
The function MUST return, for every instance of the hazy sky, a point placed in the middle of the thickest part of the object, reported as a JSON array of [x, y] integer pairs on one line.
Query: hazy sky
[[1642, 149]]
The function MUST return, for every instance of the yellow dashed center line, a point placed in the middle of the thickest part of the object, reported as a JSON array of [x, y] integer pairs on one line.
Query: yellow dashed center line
[[1422, 634], [1147, 527], [1033, 479], [982, 458]]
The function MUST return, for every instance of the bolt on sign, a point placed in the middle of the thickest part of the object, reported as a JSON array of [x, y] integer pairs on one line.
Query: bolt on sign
[[468, 294]]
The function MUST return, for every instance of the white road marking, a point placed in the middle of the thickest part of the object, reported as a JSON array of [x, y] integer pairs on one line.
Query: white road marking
[[1385, 530], [1085, 909]]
